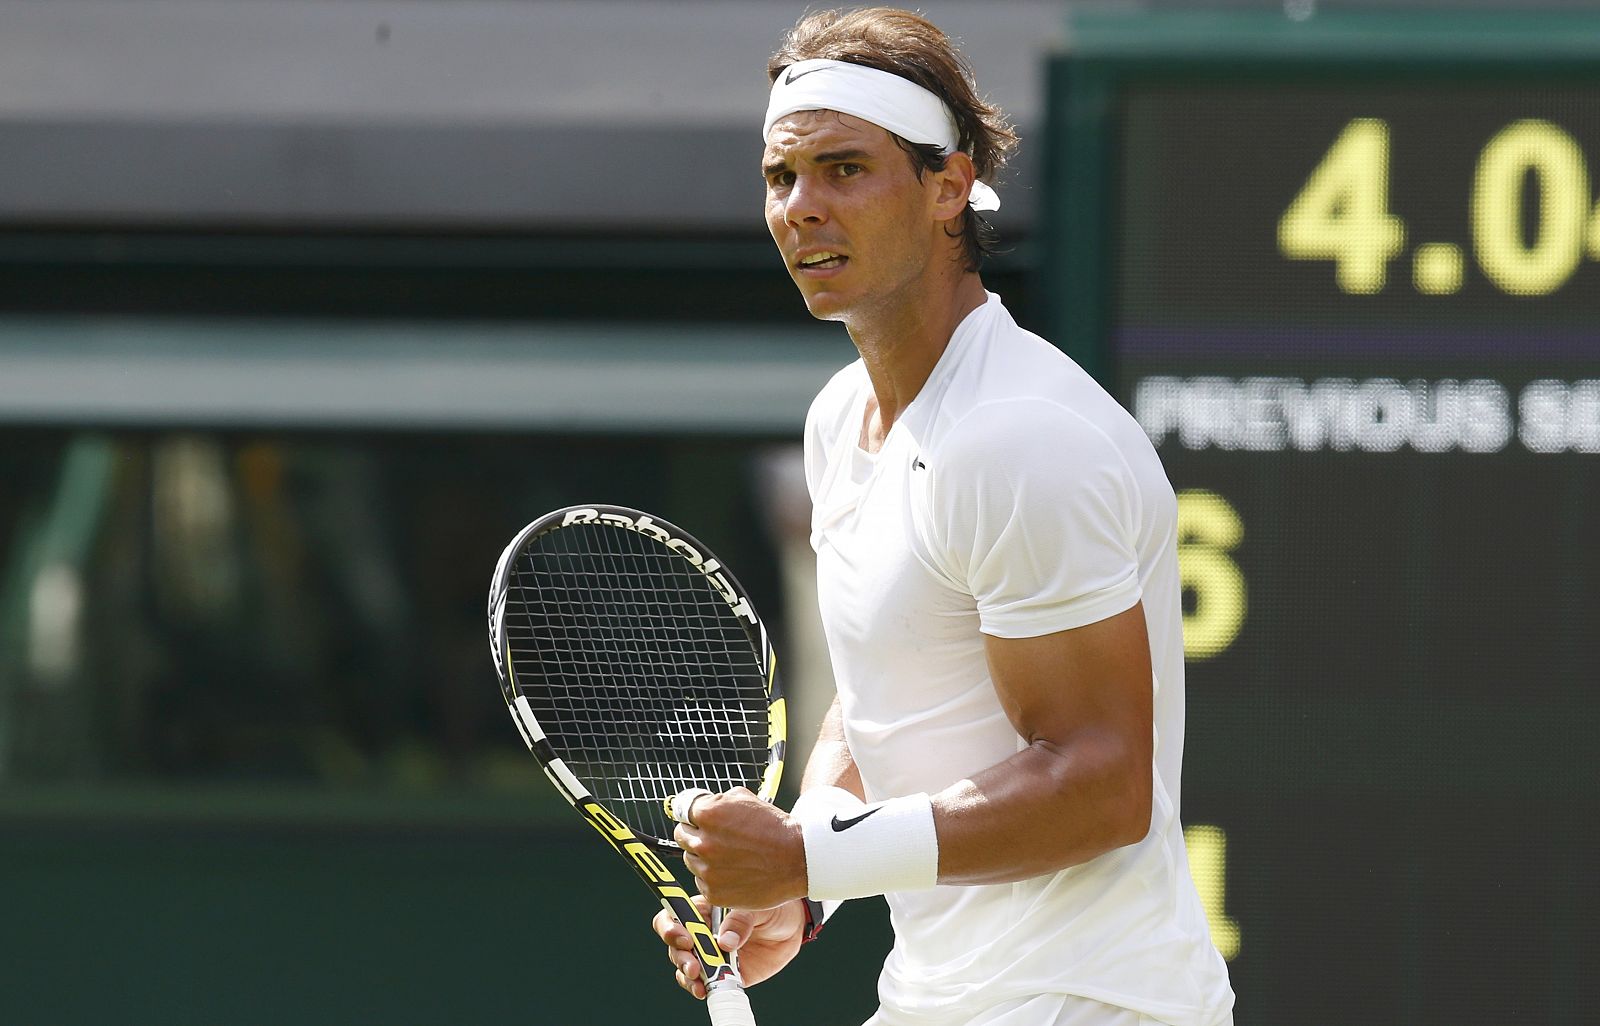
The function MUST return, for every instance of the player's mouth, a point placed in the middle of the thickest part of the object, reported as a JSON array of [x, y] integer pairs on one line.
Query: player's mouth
[[820, 262]]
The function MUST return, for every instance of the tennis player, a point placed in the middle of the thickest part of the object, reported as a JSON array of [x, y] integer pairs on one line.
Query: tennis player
[[998, 580]]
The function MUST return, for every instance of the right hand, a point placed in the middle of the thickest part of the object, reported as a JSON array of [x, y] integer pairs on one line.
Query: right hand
[[766, 941]]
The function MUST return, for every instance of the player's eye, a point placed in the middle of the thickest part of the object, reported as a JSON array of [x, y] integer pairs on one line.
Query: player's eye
[[780, 179], [849, 170]]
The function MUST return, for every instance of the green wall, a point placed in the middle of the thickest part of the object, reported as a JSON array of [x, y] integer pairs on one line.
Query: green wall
[[333, 919]]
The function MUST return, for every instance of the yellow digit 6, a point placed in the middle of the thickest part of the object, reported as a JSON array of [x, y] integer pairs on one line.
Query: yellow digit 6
[[1208, 529]]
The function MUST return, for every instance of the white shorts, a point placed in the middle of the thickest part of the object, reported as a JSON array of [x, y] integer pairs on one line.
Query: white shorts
[[1053, 1010]]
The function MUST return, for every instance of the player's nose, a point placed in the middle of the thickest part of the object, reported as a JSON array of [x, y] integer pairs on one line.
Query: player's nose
[[805, 203]]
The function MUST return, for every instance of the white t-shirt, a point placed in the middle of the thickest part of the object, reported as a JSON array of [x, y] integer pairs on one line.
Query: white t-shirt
[[1012, 497]]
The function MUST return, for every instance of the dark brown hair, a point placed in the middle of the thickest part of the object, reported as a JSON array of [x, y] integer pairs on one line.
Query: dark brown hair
[[907, 44]]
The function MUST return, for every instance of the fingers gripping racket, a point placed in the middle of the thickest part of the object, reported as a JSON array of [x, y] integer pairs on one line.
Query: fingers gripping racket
[[635, 668]]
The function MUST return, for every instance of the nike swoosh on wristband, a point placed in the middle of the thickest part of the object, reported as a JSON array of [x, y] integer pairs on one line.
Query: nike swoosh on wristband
[[789, 76], [840, 825]]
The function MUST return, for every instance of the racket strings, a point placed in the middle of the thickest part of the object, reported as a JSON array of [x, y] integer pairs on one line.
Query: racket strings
[[643, 679]]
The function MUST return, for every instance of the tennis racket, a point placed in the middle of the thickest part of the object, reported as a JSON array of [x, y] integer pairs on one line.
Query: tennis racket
[[636, 668]]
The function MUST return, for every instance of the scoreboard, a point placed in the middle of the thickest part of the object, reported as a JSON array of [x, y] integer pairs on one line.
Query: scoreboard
[[1352, 293]]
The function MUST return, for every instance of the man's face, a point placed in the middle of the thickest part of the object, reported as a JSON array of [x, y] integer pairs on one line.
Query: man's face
[[852, 219]]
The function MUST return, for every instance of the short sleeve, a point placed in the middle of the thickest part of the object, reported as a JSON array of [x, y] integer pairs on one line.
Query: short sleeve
[[1035, 513]]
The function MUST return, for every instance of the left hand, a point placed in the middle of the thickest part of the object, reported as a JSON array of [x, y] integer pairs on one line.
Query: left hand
[[744, 852], [766, 940]]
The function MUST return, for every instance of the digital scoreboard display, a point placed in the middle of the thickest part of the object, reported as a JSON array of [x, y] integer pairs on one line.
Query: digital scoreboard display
[[1356, 305]]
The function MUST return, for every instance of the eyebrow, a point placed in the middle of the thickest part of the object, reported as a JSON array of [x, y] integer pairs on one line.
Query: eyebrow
[[830, 157]]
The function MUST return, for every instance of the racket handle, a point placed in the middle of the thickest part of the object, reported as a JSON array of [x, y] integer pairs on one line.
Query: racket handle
[[730, 1007]]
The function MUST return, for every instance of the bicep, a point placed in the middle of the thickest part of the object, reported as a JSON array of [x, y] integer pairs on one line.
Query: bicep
[[1081, 784], [1088, 682]]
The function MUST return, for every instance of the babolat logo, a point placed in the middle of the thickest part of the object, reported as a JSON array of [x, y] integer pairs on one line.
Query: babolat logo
[[650, 529]]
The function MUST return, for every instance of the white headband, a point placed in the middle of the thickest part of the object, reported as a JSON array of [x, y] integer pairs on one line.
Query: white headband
[[892, 103]]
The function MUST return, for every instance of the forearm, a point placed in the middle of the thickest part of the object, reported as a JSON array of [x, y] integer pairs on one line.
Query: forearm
[[1080, 788], [831, 764], [1049, 806]]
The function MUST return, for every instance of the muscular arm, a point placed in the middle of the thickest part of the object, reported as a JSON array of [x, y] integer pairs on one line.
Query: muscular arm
[[1082, 701]]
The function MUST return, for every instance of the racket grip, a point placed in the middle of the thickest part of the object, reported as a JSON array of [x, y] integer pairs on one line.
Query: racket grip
[[730, 1007]]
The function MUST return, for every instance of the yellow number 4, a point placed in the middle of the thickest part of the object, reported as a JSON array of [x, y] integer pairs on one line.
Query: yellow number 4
[[1342, 213]]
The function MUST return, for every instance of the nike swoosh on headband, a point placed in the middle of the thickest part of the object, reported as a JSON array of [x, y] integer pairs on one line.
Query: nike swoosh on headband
[[841, 825], [789, 76]]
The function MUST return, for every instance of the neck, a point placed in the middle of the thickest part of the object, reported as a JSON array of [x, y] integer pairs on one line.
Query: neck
[[901, 343]]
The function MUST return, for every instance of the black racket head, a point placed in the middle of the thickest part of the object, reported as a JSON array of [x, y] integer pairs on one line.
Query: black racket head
[[634, 664]]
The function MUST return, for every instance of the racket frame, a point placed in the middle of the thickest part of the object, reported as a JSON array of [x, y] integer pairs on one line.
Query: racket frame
[[641, 850]]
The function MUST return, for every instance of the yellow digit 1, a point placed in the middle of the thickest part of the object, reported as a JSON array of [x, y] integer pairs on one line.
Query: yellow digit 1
[[1342, 213], [1556, 162], [1208, 529], [1208, 864]]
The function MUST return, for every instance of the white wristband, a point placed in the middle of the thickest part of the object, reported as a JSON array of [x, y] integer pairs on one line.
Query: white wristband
[[854, 850], [825, 801]]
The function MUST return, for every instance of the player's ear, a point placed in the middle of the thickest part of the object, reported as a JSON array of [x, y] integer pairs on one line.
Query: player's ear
[[953, 185]]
